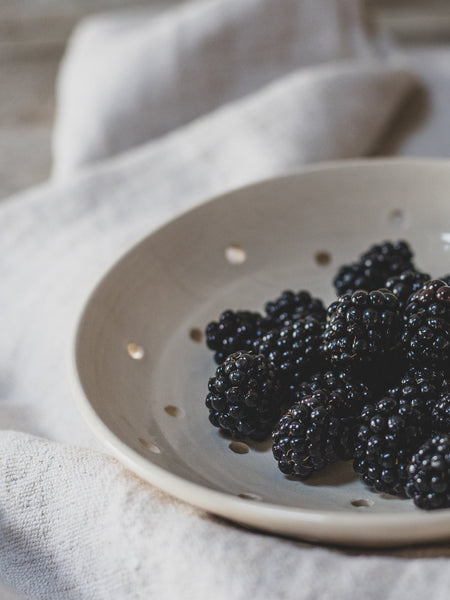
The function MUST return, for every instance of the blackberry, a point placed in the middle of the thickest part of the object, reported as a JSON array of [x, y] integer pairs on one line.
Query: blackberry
[[426, 327], [309, 436], [362, 327], [347, 394], [419, 388], [441, 415], [429, 474], [294, 351], [291, 307], [234, 331], [345, 391], [243, 398], [388, 437], [405, 284], [375, 266]]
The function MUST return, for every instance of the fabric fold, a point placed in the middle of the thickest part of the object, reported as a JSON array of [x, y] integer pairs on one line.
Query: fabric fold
[[124, 83]]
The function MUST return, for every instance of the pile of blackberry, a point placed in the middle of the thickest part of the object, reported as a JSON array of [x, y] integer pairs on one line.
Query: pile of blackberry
[[364, 379]]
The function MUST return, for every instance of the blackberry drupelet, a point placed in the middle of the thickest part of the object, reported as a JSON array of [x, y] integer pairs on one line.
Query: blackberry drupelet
[[388, 437], [419, 388], [405, 284], [362, 328], [429, 474], [234, 331], [441, 415], [426, 326], [243, 398], [310, 436], [374, 267], [294, 352], [291, 307]]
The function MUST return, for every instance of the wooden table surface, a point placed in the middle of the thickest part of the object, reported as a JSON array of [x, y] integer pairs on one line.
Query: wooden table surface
[[33, 34]]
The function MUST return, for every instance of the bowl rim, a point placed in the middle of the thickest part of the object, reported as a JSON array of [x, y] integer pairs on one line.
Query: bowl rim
[[276, 518]]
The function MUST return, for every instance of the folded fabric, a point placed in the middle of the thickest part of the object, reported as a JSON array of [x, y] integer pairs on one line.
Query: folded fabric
[[422, 127], [124, 82]]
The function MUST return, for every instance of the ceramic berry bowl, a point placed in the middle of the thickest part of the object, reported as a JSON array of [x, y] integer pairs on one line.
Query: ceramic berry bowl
[[141, 365]]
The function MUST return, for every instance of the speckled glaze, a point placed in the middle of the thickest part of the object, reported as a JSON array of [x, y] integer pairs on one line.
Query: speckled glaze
[[140, 367]]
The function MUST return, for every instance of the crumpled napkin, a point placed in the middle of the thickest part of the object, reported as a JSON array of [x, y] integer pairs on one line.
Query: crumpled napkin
[[74, 524]]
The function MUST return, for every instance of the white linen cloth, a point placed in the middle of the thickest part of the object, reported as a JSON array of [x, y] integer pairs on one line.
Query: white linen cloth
[[125, 83], [74, 524]]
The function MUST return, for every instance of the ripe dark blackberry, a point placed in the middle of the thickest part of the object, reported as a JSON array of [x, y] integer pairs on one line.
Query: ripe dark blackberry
[[419, 388], [346, 391], [441, 415], [347, 394], [374, 267], [310, 436], [243, 398], [362, 328], [234, 331], [429, 474], [294, 351], [291, 307], [426, 326], [405, 284], [388, 437]]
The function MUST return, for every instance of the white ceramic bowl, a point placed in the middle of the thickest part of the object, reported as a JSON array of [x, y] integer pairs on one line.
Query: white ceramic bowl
[[142, 373]]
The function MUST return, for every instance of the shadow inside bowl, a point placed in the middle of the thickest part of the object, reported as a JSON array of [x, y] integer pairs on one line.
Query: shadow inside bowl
[[339, 473]]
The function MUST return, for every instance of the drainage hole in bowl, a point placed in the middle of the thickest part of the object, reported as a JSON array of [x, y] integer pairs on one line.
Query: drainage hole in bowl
[[196, 335], [239, 447], [235, 254], [249, 496], [135, 351], [362, 503], [397, 218], [174, 411], [322, 258], [150, 446]]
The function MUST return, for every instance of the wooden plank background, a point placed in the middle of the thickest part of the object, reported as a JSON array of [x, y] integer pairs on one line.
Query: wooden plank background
[[33, 34]]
